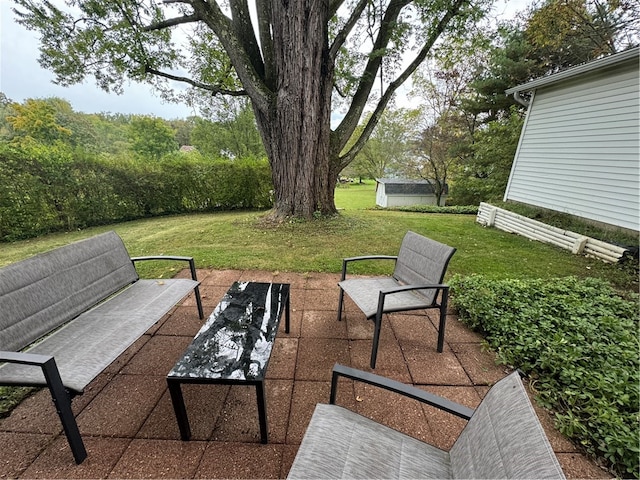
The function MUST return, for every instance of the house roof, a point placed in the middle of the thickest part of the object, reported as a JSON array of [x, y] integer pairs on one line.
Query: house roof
[[598, 64], [406, 186]]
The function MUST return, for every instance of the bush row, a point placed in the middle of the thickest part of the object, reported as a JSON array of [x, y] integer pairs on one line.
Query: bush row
[[48, 189], [452, 209], [578, 340]]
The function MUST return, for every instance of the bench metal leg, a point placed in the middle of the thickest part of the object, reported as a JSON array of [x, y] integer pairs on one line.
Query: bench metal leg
[[178, 407], [62, 401]]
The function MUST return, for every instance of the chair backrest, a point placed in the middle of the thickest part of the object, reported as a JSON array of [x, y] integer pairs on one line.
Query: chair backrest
[[422, 261], [504, 438], [41, 293]]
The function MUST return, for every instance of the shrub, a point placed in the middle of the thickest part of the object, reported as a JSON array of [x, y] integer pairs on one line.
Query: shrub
[[459, 209], [52, 188], [579, 341]]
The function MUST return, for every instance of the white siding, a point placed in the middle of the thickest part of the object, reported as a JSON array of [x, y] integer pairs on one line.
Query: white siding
[[408, 200], [579, 150]]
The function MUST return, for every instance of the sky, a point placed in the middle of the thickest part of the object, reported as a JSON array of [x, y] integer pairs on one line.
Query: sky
[[21, 76]]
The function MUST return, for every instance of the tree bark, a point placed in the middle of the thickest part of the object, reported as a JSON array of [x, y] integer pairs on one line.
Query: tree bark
[[296, 125]]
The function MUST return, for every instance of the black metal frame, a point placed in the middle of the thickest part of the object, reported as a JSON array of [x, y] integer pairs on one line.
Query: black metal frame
[[394, 386], [192, 267], [377, 319], [60, 395], [177, 398]]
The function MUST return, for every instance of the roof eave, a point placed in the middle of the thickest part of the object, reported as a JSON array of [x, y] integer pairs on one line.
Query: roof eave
[[577, 70]]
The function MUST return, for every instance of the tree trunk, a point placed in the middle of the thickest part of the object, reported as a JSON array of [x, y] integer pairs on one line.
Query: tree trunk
[[296, 126]]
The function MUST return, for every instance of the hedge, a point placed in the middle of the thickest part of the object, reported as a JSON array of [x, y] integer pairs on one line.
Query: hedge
[[48, 189]]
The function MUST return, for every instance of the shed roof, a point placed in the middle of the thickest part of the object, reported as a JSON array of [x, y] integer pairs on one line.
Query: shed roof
[[598, 64], [406, 186]]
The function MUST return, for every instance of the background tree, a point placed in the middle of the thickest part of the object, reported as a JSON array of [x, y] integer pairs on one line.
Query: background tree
[[288, 62], [183, 129], [232, 137], [564, 33], [35, 121], [387, 150], [6, 131], [151, 137]]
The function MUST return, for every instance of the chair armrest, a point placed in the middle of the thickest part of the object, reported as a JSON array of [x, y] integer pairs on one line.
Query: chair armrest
[[394, 386], [192, 265], [345, 261], [406, 288], [24, 358]]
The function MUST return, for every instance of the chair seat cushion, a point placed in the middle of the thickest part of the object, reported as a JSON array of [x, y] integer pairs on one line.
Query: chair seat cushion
[[342, 444], [365, 293], [88, 344]]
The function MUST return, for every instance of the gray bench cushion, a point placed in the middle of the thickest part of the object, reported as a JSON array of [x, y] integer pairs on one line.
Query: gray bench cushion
[[85, 346], [342, 444], [43, 292]]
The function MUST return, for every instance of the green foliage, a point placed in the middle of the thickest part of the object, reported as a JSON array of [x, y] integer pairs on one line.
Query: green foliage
[[151, 137], [54, 188], [578, 339], [234, 137], [484, 176], [35, 120], [455, 209]]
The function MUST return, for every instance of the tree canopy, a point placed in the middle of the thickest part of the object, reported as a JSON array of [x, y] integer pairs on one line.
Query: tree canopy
[[296, 61]]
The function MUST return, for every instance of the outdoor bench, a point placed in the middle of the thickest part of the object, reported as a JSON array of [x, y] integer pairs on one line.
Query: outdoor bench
[[66, 314], [503, 438]]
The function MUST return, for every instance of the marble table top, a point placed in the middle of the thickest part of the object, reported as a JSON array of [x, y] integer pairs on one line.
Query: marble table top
[[235, 342]]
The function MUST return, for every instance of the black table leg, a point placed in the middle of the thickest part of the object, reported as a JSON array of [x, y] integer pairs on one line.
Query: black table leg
[[178, 407], [262, 411]]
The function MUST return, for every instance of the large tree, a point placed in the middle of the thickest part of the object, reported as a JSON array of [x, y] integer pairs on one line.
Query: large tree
[[290, 58]]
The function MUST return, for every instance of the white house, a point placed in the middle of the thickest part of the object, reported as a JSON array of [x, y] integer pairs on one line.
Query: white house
[[579, 147], [398, 192]]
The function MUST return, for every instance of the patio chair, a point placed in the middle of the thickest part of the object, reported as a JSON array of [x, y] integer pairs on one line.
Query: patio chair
[[503, 438], [414, 285]]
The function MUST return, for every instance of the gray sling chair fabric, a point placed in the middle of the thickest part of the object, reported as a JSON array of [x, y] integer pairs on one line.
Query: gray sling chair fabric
[[502, 439], [416, 281], [48, 290], [89, 295]]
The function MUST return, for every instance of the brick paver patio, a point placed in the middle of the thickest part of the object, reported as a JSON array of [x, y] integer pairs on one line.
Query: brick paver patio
[[127, 421]]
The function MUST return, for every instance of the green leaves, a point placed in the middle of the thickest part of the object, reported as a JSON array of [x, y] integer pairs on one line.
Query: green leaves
[[579, 341]]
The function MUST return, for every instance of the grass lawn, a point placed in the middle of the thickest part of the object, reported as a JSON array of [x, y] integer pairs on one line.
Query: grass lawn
[[237, 240]]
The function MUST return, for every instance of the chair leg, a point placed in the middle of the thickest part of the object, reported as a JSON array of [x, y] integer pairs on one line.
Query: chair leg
[[340, 302], [376, 340], [443, 321]]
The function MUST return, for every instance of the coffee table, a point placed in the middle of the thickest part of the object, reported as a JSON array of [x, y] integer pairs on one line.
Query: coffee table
[[233, 346]]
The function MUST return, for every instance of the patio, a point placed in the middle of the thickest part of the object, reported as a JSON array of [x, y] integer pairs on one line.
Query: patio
[[129, 428]]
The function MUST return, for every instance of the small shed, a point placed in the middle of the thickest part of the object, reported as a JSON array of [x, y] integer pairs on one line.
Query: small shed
[[579, 150], [398, 192]]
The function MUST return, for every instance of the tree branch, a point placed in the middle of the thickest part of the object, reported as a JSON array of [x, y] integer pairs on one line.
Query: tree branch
[[367, 79], [211, 88], [393, 86], [223, 27], [342, 35], [172, 22]]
